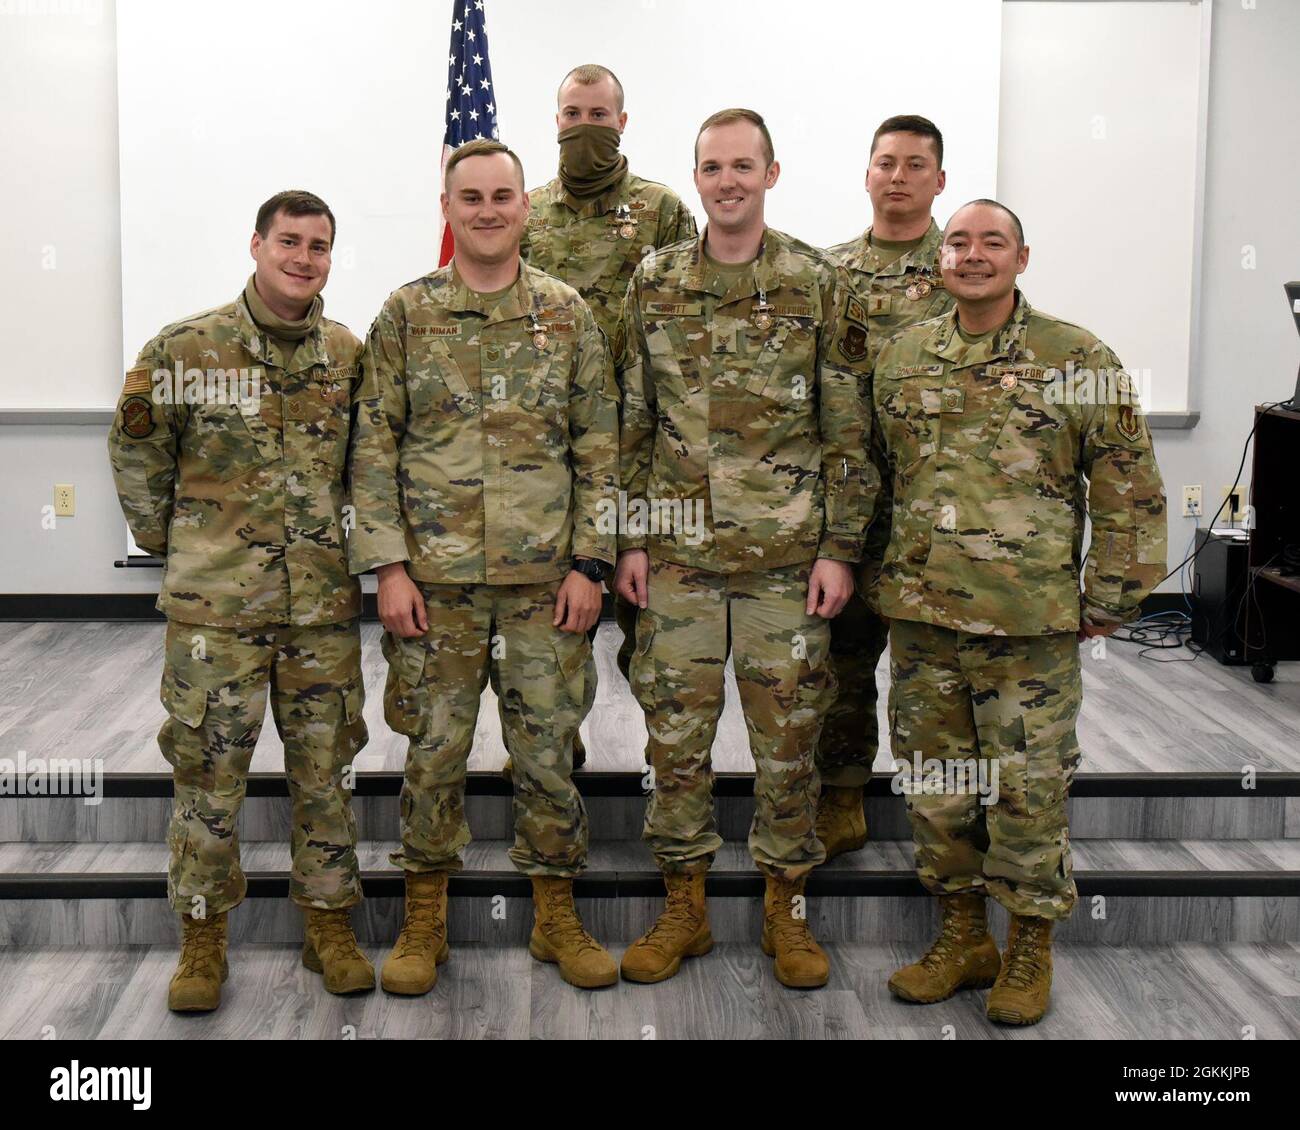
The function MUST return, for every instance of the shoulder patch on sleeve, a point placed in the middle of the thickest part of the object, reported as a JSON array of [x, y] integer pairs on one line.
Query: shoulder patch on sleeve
[[137, 417], [855, 311]]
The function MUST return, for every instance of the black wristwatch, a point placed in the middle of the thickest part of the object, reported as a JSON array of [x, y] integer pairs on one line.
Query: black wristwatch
[[595, 571]]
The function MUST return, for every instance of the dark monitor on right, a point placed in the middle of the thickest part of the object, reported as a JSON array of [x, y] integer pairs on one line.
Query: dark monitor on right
[[1293, 300]]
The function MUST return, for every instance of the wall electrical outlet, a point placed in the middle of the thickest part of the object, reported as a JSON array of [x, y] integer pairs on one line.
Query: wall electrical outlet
[[1192, 501], [1234, 508], [65, 500]]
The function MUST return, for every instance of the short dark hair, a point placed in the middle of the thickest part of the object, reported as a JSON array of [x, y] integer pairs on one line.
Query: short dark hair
[[293, 202], [588, 75], [737, 114], [1015, 220], [910, 123], [481, 147]]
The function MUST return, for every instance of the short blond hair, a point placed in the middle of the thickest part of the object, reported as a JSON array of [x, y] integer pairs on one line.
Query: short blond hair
[[480, 147], [737, 114], [588, 75]]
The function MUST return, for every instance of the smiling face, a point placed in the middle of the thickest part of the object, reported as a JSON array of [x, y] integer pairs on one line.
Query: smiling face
[[733, 176], [594, 104], [487, 207], [904, 177], [981, 255], [293, 262]]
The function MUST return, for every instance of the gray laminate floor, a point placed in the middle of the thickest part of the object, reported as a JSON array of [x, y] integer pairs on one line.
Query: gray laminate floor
[[91, 690], [1100, 992]]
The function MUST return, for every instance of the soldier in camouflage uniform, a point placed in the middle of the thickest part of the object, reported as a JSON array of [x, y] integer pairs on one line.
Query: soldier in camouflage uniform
[[1005, 431], [591, 225], [746, 479], [228, 453], [894, 266], [486, 449]]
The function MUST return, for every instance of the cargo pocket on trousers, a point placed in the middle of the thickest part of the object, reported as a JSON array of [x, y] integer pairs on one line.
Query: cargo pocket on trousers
[[1040, 782], [640, 670], [181, 739], [572, 650], [405, 694]]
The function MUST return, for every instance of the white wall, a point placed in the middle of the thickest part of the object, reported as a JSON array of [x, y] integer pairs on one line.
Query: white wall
[[355, 114], [59, 125]]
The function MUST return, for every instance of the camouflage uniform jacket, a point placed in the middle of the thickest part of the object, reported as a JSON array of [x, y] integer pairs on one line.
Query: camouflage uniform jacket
[[997, 454], [758, 416], [488, 434], [245, 498], [594, 245], [885, 291]]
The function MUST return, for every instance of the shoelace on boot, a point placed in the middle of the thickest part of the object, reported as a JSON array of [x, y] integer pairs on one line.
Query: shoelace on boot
[[563, 922], [201, 946], [1023, 965], [948, 944], [675, 921], [335, 933], [794, 932], [420, 930]]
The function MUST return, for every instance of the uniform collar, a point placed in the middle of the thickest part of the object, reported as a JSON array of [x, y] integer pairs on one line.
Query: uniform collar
[[944, 340], [516, 303], [310, 351], [923, 257], [766, 271], [607, 201]]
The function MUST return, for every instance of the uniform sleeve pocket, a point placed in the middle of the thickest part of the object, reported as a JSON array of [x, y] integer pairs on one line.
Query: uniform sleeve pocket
[[186, 704]]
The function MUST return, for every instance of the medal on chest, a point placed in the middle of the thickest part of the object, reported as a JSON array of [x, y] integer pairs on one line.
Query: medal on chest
[[762, 312], [623, 219], [537, 330]]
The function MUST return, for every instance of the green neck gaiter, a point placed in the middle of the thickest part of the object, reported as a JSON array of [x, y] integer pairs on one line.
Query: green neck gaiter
[[276, 326], [590, 161]]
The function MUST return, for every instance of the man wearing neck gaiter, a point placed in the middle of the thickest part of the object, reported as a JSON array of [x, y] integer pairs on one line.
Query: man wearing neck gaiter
[[593, 223], [228, 454]]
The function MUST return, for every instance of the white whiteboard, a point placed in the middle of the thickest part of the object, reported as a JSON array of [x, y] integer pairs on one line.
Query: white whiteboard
[[214, 118], [1102, 157]]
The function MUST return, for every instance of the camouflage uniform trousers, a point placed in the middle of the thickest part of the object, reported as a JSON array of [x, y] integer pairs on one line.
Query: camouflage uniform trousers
[[1015, 699], [215, 685], [851, 735], [693, 620], [435, 682]]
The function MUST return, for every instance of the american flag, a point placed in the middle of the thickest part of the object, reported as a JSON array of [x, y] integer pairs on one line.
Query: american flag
[[471, 101]]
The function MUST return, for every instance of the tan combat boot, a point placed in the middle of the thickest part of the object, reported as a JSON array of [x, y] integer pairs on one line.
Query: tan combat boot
[[559, 936], [682, 930], [330, 947], [800, 962], [841, 821], [196, 984], [964, 956], [1021, 993], [412, 968]]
